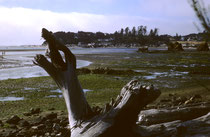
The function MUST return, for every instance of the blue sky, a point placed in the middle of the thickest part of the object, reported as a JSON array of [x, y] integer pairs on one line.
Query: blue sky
[[21, 20]]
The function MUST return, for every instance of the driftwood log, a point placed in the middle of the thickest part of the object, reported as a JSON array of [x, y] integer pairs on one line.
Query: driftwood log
[[121, 117], [178, 122]]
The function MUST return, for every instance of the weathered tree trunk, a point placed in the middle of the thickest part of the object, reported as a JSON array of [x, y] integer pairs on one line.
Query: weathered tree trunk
[[119, 118], [157, 116], [64, 74], [195, 127]]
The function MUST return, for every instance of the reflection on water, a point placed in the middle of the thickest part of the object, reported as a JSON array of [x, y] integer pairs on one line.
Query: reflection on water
[[59, 91], [60, 95], [165, 74], [11, 98], [54, 96], [50, 96]]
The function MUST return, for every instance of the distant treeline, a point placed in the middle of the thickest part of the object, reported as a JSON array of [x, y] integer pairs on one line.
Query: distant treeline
[[137, 36]]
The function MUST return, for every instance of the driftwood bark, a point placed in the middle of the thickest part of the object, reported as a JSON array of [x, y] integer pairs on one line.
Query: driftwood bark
[[157, 116], [189, 122], [121, 117]]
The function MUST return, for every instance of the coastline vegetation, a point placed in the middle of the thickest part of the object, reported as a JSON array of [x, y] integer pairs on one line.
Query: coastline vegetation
[[137, 36]]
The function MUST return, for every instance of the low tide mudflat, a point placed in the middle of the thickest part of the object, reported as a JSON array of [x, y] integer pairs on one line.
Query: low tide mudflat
[[184, 74]]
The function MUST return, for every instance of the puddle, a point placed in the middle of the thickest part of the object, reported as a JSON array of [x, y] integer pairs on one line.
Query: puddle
[[54, 96], [50, 96], [11, 98], [155, 75], [150, 77], [117, 78], [86, 90], [184, 66], [26, 88], [165, 74], [60, 95], [176, 73], [59, 91], [139, 70], [56, 90]]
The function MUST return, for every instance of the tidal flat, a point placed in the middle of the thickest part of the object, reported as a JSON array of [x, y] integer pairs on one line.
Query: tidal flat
[[36, 92], [184, 74]]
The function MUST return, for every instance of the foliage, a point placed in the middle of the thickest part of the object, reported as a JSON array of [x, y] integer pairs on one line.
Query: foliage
[[81, 36], [137, 36], [202, 15]]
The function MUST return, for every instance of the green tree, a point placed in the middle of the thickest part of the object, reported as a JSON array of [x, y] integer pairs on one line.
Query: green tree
[[116, 38], [140, 30], [156, 32], [134, 31], [126, 31], [145, 30], [151, 33], [122, 32], [177, 37]]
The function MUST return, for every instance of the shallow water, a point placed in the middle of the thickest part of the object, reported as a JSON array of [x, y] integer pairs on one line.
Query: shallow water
[[18, 64], [155, 75], [59, 91], [168, 70], [11, 98], [30, 71]]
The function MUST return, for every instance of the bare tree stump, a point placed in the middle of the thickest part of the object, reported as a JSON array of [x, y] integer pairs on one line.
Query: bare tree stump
[[119, 117]]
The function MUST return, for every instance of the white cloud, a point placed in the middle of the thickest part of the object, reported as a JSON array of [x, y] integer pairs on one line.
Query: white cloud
[[23, 26]]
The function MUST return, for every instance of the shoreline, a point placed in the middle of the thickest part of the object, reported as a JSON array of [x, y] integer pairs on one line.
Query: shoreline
[[16, 50], [31, 71], [99, 50]]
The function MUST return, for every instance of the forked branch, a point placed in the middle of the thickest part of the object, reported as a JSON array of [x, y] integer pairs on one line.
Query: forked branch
[[119, 117]]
